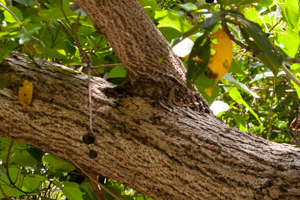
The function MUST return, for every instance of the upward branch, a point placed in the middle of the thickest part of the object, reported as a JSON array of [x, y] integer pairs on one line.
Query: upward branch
[[140, 47]]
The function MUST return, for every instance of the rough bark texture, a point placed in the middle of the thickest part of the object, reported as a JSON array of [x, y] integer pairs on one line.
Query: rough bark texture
[[164, 152], [139, 45]]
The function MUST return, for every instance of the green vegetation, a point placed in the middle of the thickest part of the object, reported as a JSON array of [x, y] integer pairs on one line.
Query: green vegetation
[[255, 95]]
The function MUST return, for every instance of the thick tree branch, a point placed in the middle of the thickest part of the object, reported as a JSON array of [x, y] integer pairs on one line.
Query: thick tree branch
[[164, 152]]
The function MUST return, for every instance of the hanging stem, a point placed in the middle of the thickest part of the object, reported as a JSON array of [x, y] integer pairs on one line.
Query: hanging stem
[[271, 108]]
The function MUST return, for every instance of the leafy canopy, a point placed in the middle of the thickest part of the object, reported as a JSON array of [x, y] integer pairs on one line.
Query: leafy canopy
[[233, 51]]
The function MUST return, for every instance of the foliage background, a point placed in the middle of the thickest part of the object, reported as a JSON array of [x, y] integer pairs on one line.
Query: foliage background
[[255, 95]]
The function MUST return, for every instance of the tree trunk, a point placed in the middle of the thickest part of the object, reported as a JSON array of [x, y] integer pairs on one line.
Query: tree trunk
[[164, 151]]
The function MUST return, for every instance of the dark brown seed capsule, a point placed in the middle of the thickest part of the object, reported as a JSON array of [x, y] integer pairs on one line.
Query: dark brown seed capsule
[[88, 139], [92, 154]]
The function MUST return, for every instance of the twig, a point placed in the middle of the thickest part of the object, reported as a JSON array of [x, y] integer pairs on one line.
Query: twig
[[224, 25], [7, 171], [38, 5], [288, 73], [92, 179], [258, 88], [271, 109], [17, 19], [108, 65], [6, 197]]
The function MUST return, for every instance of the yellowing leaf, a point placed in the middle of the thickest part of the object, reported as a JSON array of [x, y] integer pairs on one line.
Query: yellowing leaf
[[220, 62], [25, 93]]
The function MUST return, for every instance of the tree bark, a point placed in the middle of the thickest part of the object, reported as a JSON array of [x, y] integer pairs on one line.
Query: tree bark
[[139, 46], [160, 149]]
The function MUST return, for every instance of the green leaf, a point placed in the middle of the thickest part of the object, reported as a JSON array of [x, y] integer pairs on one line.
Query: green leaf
[[236, 67], [253, 15], [188, 6], [239, 85], [290, 40], [148, 3], [10, 191], [46, 198], [26, 2], [53, 53], [273, 58], [236, 96], [215, 93], [32, 182], [241, 122], [117, 72], [264, 75], [22, 158], [87, 188], [113, 189], [173, 20], [237, 3], [17, 178], [27, 36], [170, 33], [198, 61], [295, 70], [56, 14], [10, 18], [211, 20], [57, 164], [4, 53], [290, 10], [72, 191]]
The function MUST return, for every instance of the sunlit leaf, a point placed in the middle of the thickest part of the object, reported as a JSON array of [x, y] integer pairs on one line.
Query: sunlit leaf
[[172, 20], [290, 40], [10, 18]]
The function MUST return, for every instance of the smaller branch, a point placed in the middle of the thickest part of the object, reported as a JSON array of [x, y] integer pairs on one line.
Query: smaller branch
[[293, 60], [92, 179], [7, 171], [17, 19], [108, 65], [258, 88], [38, 5], [271, 109], [6, 197], [224, 25], [288, 73], [104, 48]]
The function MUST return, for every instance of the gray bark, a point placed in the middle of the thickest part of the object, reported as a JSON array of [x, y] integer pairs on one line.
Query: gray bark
[[163, 150]]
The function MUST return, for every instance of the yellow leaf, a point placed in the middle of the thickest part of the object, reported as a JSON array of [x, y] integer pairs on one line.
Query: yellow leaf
[[25, 93], [220, 62]]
